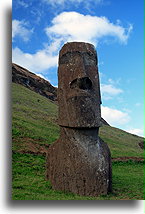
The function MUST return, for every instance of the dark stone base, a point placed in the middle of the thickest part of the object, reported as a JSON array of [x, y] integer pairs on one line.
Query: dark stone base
[[79, 162]]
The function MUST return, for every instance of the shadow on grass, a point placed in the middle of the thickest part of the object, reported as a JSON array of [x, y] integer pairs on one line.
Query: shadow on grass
[[74, 204]]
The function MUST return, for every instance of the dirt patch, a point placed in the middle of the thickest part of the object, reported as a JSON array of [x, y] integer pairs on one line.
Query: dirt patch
[[32, 146], [138, 159], [37, 146]]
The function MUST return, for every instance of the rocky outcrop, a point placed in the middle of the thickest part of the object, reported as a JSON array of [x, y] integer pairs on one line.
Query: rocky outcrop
[[141, 144], [26, 78], [79, 161]]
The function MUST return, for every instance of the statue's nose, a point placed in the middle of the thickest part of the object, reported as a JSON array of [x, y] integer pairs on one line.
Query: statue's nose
[[83, 83]]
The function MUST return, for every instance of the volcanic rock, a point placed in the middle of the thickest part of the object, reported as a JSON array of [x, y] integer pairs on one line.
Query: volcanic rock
[[79, 161], [26, 78]]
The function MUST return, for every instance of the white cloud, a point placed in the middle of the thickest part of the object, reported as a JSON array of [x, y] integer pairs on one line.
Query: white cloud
[[73, 26], [114, 117], [75, 2], [54, 47], [40, 61], [108, 91], [23, 4], [139, 132], [67, 26], [20, 29], [111, 81]]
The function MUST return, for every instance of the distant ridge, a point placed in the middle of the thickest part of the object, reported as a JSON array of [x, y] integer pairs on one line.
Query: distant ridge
[[35, 83]]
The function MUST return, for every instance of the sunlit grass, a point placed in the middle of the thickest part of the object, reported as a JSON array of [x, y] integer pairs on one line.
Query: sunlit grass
[[29, 181], [35, 119]]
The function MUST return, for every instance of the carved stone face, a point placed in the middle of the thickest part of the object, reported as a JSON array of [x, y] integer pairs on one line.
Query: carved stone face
[[78, 86]]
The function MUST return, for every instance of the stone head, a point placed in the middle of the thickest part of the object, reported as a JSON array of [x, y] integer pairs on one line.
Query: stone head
[[78, 86]]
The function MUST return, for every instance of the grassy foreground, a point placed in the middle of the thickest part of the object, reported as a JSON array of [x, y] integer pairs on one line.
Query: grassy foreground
[[29, 181], [34, 127]]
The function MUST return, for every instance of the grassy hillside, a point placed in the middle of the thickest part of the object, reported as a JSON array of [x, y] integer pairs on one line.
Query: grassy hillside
[[35, 120], [34, 127]]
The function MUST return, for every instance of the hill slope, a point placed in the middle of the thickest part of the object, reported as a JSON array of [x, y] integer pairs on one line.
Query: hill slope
[[34, 126], [33, 82]]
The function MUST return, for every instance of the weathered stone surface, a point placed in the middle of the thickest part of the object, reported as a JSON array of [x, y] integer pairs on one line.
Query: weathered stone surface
[[78, 86], [29, 80], [79, 161]]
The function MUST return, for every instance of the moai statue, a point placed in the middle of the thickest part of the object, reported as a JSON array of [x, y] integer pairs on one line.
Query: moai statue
[[79, 161]]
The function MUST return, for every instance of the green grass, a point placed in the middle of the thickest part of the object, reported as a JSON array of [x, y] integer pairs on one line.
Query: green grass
[[121, 143], [34, 121], [29, 181], [35, 117]]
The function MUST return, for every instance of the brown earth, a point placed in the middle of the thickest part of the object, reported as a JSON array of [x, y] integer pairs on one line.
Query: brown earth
[[36, 147], [31, 146], [138, 159]]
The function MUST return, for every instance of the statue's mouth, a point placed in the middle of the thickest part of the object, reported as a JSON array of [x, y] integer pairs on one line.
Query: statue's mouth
[[81, 96], [83, 102]]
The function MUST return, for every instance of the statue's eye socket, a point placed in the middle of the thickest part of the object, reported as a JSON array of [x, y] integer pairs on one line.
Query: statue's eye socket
[[83, 83], [64, 59], [90, 59], [72, 58]]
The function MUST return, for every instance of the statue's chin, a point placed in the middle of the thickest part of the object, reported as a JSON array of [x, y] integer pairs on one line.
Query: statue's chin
[[83, 112]]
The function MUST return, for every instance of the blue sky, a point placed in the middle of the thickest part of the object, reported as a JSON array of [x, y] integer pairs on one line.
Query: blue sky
[[115, 27]]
